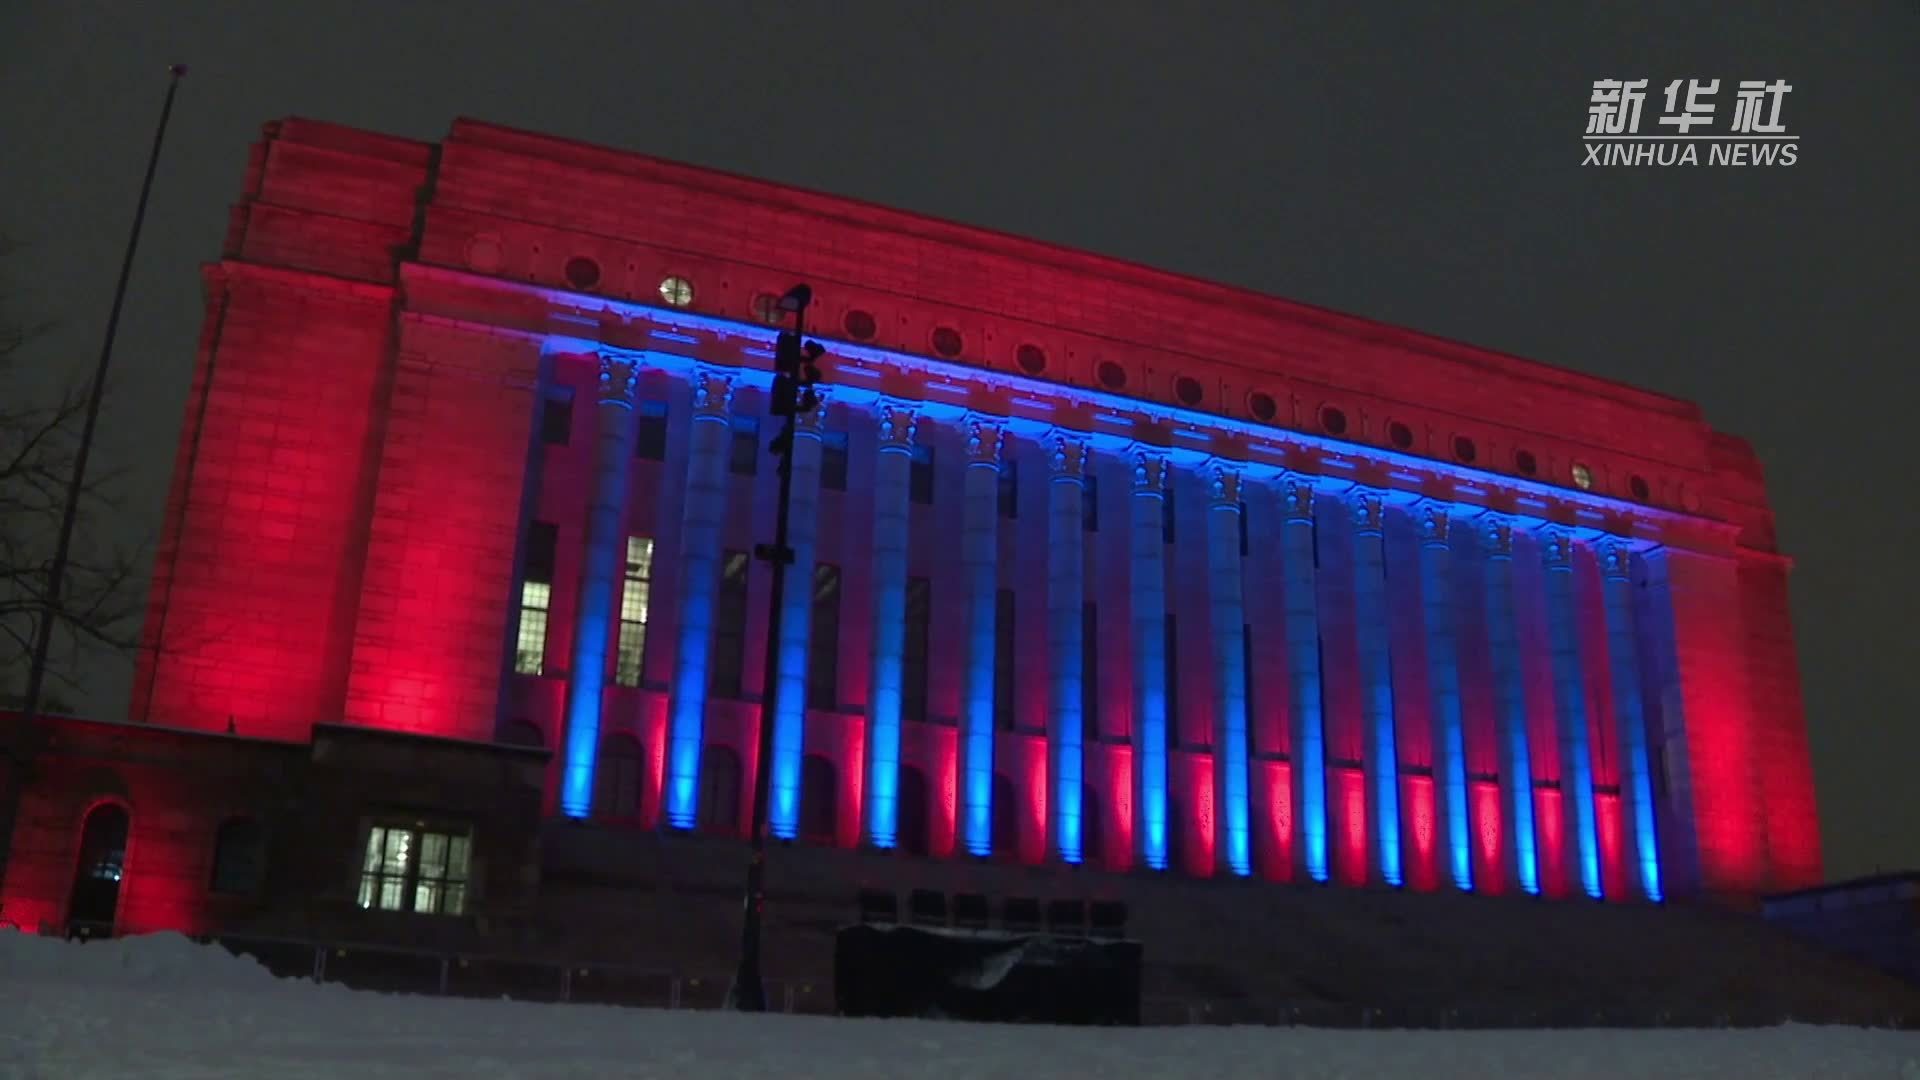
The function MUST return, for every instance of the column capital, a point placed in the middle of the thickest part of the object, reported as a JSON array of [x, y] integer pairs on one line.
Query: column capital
[[1435, 519], [1296, 496], [1496, 534], [619, 378], [812, 421], [1369, 510], [1556, 545], [1223, 484], [712, 393], [1616, 555], [1149, 473], [1067, 456], [986, 437], [898, 420]]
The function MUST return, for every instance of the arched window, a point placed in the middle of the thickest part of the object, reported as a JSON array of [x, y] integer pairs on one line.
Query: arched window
[[522, 733], [913, 811], [720, 788], [616, 778], [819, 794], [238, 857], [1006, 820], [95, 899]]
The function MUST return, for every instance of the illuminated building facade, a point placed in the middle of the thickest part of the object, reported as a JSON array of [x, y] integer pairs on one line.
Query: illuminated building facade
[[1095, 564]]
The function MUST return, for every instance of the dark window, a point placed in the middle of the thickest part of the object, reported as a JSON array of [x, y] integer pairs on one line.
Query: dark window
[[823, 647], [947, 342], [1188, 390], [1031, 358], [616, 778], [522, 733], [1092, 844], [650, 431], [1526, 462], [536, 598], [1176, 836], [1166, 514], [582, 273], [860, 325], [1464, 449], [1005, 816], [412, 869], [1243, 529], [1009, 487], [1172, 666], [719, 788], [1112, 375], [730, 626], [1089, 673], [1264, 407], [1247, 684], [913, 811], [237, 857], [1090, 502], [920, 478], [743, 457], [1638, 485], [1400, 435], [913, 666], [819, 792], [1003, 717], [1333, 420], [556, 417], [833, 461]]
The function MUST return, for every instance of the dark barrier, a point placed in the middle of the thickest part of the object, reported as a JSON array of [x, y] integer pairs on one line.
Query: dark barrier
[[951, 974]]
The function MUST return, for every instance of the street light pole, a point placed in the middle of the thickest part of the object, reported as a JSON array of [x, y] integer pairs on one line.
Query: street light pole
[[18, 746], [793, 382]]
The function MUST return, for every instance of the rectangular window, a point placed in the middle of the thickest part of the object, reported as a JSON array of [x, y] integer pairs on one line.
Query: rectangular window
[[833, 461], [1243, 530], [536, 599], [1172, 666], [650, 435], [1166, 514], [730, 626], [920, 478], [1003, 717], [823, 645], [1089, 673], [743, 458], [1090, 502], [1009, 489], [913, 666], [556, 417], [636, 592], [411, 869]]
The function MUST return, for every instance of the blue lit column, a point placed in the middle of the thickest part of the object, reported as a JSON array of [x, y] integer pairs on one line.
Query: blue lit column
[[1630, 717], [1066, 597], [892, 468], [796, 624], [1570, 709], [979, 562], [1376, 683], [1510, 705], [1147, 583], [599, 571], [1308, 734], [1439, 615], [1233, 839], [706, 506]]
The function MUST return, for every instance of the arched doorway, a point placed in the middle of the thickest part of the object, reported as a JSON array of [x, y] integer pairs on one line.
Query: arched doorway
[[911, 816], [95, 899]]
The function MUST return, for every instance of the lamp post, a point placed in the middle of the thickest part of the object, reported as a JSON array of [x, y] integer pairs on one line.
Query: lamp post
[[794, 377], [19, 746]]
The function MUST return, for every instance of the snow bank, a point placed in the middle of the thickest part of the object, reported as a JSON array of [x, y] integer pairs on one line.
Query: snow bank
[[163, 1007]]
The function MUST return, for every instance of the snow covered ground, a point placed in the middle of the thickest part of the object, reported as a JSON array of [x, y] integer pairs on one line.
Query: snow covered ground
[[163, 1007]]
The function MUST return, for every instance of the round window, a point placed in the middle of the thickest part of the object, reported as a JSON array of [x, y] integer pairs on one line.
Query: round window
[[582, 273], [1464, 449], [1640, 488], [947, 342], [1400, 435], [1263, 406], [860, 325], [1188, 390], [1526, 462], [1333, 421], [1582, 477], [1031, 358], [676, 291], [1112, 375], [766, 308]]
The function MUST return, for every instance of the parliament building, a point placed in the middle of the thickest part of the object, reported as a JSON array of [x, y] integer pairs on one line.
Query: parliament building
[[1106, 581]]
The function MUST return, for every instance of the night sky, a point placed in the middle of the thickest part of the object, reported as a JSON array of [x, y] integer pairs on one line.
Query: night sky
[[1419, 168]]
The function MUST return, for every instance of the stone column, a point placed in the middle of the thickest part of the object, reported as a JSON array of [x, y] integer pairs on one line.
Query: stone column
[[1630, 717], [891, 471], [796, 625], [1376, 684], [706, 506], [979, 551], [1570, 712], [1510, 706], [1308, 734], [1066, 598], [1147, 582], [1233, 835], [1440, 616], [600, 568]]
